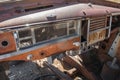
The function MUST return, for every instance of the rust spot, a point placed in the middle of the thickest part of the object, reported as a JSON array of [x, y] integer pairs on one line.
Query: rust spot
[[96, 36]]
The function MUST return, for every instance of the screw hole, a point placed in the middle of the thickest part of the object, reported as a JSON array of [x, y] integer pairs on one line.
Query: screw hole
[[88, 47], [115, 42], [4, 43], [42, 54], [111, 48]]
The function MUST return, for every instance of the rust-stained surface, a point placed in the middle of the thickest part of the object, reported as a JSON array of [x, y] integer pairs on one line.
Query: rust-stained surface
[[108, 43], [7, 42], [70, 47], [17, 8], [46, 50], [97, 36], [9, 10], [72, 11]]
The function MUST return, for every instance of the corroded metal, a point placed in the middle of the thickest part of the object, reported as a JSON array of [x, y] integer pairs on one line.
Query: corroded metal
[[17, 8], [71, 11], [43, 41], [7, 42], [97, 36], [43, 51], [79, 12]]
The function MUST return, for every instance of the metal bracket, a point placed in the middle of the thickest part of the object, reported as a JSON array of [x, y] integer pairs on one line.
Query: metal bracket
[[112, 50]]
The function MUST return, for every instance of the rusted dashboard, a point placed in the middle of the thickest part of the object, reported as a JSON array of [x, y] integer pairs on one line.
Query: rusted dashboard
[[7, 38], [41, 34]]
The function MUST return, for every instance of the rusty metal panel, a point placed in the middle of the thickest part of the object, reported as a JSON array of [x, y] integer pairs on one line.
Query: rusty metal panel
[[44, 51], [7, 42], [12, 9], [71, 11], [97, 36]]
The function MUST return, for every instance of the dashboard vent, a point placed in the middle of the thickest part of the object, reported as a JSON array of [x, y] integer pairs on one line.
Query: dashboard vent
[[38, 8], [98, 22]]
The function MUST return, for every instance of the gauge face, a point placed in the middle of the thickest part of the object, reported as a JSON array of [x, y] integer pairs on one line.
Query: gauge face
[[50, 31], [45, 32]]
